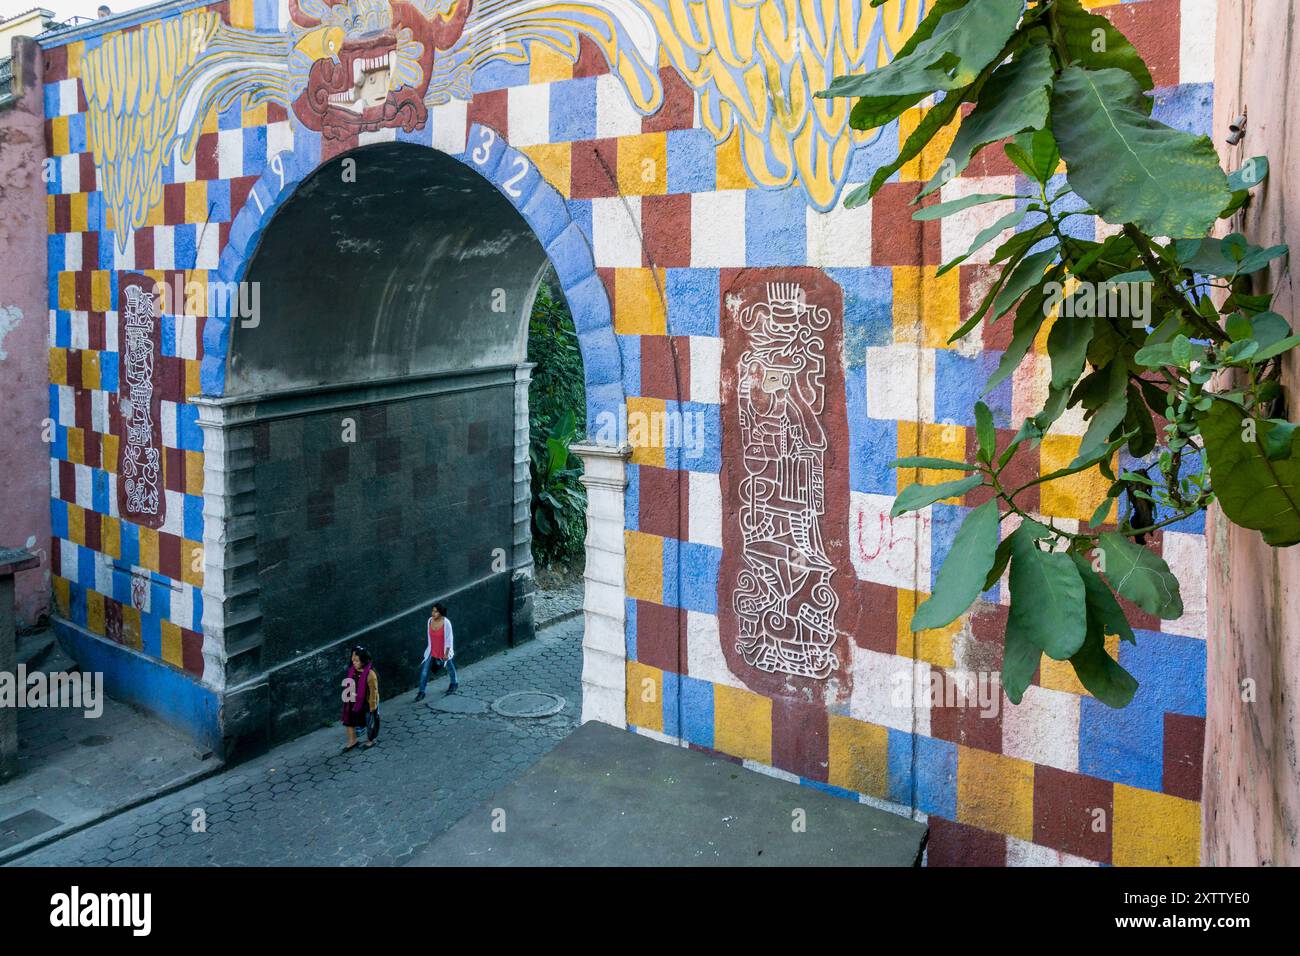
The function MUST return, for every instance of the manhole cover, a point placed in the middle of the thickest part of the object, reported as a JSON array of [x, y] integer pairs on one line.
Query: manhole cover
[[528, 703]]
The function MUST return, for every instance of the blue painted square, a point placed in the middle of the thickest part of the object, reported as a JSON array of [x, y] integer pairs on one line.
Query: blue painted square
[[899, 756], [254, 150], [58, 518], [870, 156], [704, 453], [85, 567], [670, 703], [498, 74], [630, 346], [632, 499], [699, 577], [1170, 670], [193, 523], [692, 161], [629, 626], [160, 597], [936, 777], [55, 251], [77, 133], [697, 711], [775, 231], [129, 539], [1188, 107], [694, 301], [570, 253], [99, 490], [1125, 745], [108, 362], [573, 110], [873, 442], [868, 309], [189, 435], [671, 547], [580, 213], [167, 334], [266, 14], [107, 251], [219, 200], [184, 246], [959, 382], [944, 522], [196, 621], [63, 329], [151, 634], [59, 450]]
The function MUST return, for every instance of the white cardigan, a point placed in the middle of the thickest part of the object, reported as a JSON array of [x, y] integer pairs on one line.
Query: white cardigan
[[447, 638]]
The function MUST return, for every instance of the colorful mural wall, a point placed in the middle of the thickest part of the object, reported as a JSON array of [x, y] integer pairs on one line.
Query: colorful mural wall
[[685, 183]]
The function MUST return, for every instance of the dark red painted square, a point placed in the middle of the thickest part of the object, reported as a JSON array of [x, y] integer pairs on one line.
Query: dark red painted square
[[660, 354], [662, 492], [174, 204], [591, 62], [205, 157], [63, 213], [956, 844], [660, 637], [666, 231], [1184, 750], [56, 64], [800, 737], [94, 537], [87, 176], [144, 248], [873, 618], [1065, 816], [491, 109], [169, 555], [678, 110], [192, 652], [964, 722], [1153, 29], [897, 239], [594, 170]]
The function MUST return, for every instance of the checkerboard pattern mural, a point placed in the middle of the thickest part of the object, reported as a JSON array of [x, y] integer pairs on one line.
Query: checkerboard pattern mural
[[649, 218]]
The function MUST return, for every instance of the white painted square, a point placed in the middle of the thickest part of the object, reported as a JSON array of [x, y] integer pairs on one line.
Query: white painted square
[[1186, 557], [72, 251], [68, 560], [99, 417], [67, 406], [208, 247], [68, 97], [706, 366], [167, 420], [1022, 853], [123, 256], [718, 229], [164, 247], [900, 383], [70, 173], [450, 126], [230, 153], [841, 236], [704, 517], [182, 604], [704, 657], [885, 690], [885, 550], [1043, 728], [103, 573], [616, 231], [279, 139], [84, 485], [1030, 384], [110, 331], [174, 520], [528, 110], [370, 137], [958, 231], [79, 325], [112, 496], [182, 171], [615, 114], [1197, 22]]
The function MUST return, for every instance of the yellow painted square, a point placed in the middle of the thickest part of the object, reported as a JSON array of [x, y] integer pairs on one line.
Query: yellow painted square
[[100, 291], [646, 422], [731, 165], [241, 14], [75, 52], [62, 595], [932, 441], [995, 792], [645, 696], [49, 215], [1059, 675], [132, 634], [149, 549], [1155, 829], [254, 116], [639, 303], [194, 472], [171, 644], [78, 207], [643, 164], [67, 291], [927, 306], [59, 358], [76, 524], [742, 724], [110, 534], [76, 446], [192, 369], [155, 215], [547, 64], [555, 162], [108, 453], [1076, 496], [59, 142], [192, 563], [95, 612], [923, 167], [196, 201], [859, 756], [89, 369], [645, 566], [933, 645]]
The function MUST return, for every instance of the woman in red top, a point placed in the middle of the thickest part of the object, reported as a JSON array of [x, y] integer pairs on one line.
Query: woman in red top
[[438, 649]]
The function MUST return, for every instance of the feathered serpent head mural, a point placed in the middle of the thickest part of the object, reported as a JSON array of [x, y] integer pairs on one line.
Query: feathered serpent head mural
[[351, 66]]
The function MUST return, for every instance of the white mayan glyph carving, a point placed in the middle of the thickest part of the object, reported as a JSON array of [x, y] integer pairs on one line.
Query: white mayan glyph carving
[[783, 596], [141, 463]]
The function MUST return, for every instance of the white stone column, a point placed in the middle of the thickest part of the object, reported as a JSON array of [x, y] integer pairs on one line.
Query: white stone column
[[604, 643]]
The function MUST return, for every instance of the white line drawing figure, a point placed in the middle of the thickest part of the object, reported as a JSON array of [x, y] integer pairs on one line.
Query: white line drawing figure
[[783, 596], [141, 463]]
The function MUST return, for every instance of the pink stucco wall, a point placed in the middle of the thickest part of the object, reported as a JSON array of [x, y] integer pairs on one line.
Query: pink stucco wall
[[1251, 794], [24, 335]]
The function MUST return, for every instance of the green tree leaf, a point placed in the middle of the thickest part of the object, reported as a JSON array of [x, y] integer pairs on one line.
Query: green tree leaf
[[985, 432], [962, 575], [1036, 154], [1102, 606], [1111, 50], [1047, 599], [939, 464], [940, 210], [1020, 659], [1101, 674], [1129, 167], [917, 496], [1109, 416], [1253, 490], [1141, 575], [1015, 98]]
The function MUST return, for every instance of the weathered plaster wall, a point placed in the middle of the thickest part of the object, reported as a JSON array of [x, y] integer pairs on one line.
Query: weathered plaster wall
[[1251, 809], [24, 329], [676, 234]]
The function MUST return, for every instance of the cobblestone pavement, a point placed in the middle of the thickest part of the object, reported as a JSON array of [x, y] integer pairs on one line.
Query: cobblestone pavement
[[307, 803]]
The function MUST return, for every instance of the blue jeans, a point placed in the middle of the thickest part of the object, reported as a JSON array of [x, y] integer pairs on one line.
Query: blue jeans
[[428, 665]]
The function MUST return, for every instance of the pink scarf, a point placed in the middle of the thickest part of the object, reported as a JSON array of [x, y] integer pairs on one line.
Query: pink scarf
[[361, 684]]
